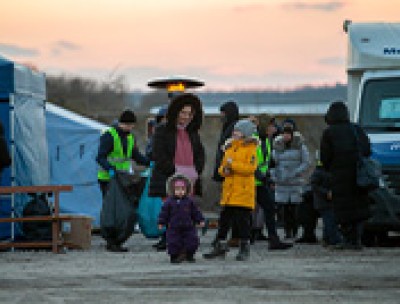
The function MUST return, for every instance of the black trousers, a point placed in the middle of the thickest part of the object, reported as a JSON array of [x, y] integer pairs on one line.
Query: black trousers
[[290, 221], [266, 199], [103, 187], [239, 217]]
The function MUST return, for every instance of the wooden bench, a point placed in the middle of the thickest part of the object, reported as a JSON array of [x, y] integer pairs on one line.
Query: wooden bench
[[56, 242]]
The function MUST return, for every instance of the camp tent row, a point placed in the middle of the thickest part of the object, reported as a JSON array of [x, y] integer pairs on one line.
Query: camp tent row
[[49, 145]]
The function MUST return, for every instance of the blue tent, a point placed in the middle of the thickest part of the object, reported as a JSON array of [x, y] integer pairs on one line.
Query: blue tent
[[22, 112], [73, 142]]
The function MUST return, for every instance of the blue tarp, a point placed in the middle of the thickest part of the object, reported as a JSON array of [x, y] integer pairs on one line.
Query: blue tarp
[[22, 99], [17, 78], [73, 142]]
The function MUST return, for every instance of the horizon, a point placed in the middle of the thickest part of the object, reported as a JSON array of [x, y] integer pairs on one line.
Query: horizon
[[232, 45]]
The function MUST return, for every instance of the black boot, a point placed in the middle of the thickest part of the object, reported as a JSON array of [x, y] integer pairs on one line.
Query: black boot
[[307, 239], [276, 244], [244, 251], [219, 250], [253, 235], [190, 258], [177, 258]]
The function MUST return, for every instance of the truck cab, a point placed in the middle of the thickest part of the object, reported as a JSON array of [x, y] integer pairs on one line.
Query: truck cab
[[373, 70]]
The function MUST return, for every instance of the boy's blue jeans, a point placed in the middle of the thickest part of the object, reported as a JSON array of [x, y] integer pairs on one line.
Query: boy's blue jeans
[[330, 231]]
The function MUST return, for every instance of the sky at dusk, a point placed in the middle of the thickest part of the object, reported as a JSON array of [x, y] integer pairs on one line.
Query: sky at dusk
[[230, 44]]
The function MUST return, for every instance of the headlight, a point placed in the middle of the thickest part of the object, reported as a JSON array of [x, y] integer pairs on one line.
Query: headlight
[[382, 182]]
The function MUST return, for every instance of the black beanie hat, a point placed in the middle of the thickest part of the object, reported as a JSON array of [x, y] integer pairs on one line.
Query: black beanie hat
[[127, 117]]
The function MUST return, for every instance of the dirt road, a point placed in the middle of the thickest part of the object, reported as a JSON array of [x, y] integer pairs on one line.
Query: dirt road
[[304, 274]]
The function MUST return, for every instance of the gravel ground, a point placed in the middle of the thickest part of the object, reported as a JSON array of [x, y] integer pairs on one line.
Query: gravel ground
[[304, 274]]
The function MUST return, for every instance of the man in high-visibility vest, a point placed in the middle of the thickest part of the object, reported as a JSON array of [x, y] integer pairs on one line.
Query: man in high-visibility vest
[[264, 192], [117, 149]]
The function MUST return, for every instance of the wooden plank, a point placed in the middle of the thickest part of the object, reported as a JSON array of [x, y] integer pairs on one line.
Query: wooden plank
[[48, 218], [42, 244], [35, 189]]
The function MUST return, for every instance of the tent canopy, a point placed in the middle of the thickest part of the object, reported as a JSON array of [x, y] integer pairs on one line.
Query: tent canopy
[[16, 78], [73, 142]]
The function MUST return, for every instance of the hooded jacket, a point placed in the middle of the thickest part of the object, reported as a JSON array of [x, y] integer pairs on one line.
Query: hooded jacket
[[238, 187], [339, 155], [291, 164], [164, 144], [182, 212]]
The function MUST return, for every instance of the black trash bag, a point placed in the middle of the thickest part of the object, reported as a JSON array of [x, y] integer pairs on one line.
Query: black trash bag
[[117, 217], [132, 184], [37, 231]]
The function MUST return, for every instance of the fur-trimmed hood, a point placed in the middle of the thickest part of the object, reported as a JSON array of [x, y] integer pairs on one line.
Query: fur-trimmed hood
[[176, 106], [296, 143], [171, 180], [245, 141]]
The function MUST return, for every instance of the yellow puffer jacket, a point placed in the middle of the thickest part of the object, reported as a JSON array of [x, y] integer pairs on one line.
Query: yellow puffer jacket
[[238, 186]]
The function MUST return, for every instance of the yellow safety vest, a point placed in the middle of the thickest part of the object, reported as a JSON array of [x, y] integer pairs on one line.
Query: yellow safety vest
[[263, 160], [117, 158]]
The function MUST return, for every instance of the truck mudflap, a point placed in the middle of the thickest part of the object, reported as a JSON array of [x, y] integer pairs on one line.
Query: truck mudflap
[[385, 210]]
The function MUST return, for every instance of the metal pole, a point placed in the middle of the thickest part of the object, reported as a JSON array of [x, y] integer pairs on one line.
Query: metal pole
[[13, 174]]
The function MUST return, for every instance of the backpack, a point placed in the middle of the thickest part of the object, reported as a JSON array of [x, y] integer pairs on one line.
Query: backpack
[[38, 231]]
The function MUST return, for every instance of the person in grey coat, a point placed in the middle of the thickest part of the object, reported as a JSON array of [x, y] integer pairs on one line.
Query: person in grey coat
[[291, 158]]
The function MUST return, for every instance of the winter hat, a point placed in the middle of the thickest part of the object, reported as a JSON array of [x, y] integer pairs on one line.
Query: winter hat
[[127, 117], [289, 123], [179, 183], [246, 127]]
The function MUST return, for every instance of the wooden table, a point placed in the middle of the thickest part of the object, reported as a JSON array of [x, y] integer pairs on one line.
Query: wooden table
[[56, 242]]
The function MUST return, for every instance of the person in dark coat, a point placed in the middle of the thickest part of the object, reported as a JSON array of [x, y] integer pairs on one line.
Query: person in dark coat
[[5, 159], [339, 154], [179, 214], [230, 115], [264, 193], [160, 118], [116, 151], [177, 148], [322, 199]]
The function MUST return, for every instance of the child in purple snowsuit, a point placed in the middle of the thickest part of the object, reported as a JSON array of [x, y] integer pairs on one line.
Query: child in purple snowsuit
[[180, 215]]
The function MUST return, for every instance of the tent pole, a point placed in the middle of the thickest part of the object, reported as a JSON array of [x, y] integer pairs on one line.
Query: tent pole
[[12, 142]]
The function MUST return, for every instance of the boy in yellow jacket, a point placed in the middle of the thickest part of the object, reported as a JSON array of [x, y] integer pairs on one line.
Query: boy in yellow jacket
[[238, 191]]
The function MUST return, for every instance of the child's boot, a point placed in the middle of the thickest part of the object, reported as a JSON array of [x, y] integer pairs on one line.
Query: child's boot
[[276, 244], [219, 250], [244, 251], [177, 258]]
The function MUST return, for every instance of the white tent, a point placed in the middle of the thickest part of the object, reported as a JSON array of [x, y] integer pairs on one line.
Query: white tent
[[73, 142]]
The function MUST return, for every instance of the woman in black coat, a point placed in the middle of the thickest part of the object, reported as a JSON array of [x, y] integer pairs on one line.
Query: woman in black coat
[[184, 118], [165, 142], [339, 154]]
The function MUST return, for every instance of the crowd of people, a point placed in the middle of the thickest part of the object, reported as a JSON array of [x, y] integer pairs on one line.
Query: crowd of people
[[264, 168]]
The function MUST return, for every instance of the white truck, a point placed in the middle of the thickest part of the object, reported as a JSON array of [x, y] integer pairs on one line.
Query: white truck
[[373, 71]]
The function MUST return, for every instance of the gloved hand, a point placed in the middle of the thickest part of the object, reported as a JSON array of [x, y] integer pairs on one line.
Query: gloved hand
[[111, 172]]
